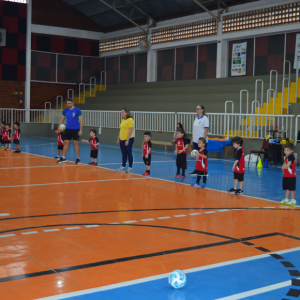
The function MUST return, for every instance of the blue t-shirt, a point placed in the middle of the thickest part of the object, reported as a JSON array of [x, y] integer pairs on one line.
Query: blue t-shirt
[[72, 117]]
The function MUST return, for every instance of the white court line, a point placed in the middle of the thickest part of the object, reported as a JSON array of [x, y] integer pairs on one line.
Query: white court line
[[209, 212], [33, 167], [51, 230], [161, 218], [58, 183], [162, 276], [179, 216], [4, 215], [30, 232], [113, 223], [90, 226], [6, 235], [223, 210], [133, 221], [71, 228], [194, 214], [146, 220]]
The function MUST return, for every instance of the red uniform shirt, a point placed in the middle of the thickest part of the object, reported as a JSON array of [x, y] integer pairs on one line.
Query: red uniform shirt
[[240, 156], [17, 134], [93, 142], [146, 147], [2, 131], [291, 170], [201, 163], [60, 139], [181, 143], [7, 135]]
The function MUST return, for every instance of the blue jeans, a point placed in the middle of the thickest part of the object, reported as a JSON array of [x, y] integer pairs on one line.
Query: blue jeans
[[127, 151]]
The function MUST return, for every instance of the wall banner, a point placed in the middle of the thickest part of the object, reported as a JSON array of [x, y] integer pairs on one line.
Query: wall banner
[[239, 55], [297, 52]]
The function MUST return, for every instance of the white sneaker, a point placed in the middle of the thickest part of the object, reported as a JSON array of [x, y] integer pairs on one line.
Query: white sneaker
[[285, 201], [129, 170], [292, 202], [122, 169]]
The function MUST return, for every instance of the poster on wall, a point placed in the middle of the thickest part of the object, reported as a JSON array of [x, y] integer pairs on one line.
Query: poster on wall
[[239, 55], [297, 52]]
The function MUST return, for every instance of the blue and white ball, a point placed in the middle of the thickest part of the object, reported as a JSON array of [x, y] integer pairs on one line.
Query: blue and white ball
[[177, 279], [194, 153]]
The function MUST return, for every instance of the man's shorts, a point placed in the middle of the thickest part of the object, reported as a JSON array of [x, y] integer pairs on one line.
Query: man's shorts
[[289, 183], [70, 134], [16, 141], [60, 147], [239, 176], [147, 161], [94, 153]]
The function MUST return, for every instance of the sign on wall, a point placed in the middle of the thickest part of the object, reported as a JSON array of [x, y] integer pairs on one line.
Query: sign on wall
[[239, 55], [297, 52]]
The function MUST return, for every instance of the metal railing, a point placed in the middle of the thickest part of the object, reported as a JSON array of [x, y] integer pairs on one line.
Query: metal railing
[[269, 91], [282, 96], [297, 80], [93, 83], [276, 80], [284, 64], [61, 102], [261, 92], [72, 94], [241, 100], [103, 72]]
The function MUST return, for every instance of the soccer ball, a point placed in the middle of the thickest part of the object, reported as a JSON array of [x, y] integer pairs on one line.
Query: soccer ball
[[177, 279], [194, 153], [62, 126]]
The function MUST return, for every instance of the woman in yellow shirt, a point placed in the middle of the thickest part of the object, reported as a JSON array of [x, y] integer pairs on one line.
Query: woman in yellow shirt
[[126, 139]]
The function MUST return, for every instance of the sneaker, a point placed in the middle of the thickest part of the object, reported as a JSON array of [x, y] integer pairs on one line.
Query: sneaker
[[95, 164], [122, 169], [203, 185], [182, 177], [4, 149], [146, 174], [292, 202], [232, 191], [239, 192], [285, 201], [77, 161], [129, 170], [17, 151], [194, 173], [91, 163], [61, 160], [195, 184], [177, 176], [56, 157], [8, 149]]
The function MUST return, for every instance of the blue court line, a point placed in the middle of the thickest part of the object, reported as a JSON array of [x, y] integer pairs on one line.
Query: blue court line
[[210, 283]]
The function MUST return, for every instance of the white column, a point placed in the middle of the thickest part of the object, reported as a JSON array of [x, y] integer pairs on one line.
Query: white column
[[28, 61], [222, 59], [151, 65]]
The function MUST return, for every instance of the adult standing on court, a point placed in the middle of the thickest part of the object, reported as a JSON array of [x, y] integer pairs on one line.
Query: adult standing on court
[[200, 127], [126, 139], [73, 129]]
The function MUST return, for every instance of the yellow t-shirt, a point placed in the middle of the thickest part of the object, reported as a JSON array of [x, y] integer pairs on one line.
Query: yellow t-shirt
[[124, 128]]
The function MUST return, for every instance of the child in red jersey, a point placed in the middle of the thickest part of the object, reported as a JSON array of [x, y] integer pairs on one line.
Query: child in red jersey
[[147, 145], [17, 136], [181, 147], [2, 133], [201, 163], [7, 138], [60, 141], [238, 166], [94, 146], [289, 175]]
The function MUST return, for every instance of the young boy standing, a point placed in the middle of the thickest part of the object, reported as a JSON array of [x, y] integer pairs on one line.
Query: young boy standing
[[238, 166], [60, 142], [201, 164], [2, 134], [147, 152], [94, 146], [180, 150], [289, 175], [7, 138], [17, 136]]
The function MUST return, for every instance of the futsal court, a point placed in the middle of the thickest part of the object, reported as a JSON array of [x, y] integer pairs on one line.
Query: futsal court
[[89, 232]]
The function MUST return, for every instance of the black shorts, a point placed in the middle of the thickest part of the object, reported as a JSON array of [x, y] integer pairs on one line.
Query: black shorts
[[70, 134], [200, 173], [181, 161], [289, 183], [147, 161], [94, 153], [2, 140], [17, 142], [6, 142], [239, 176], [60, 147]]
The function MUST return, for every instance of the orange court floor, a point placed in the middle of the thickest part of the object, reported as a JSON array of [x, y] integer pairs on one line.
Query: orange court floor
[[67, 228]]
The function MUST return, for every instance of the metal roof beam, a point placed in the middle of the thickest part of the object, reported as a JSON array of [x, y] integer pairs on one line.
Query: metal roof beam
[[128, 19], [140, 10], [207, 10]]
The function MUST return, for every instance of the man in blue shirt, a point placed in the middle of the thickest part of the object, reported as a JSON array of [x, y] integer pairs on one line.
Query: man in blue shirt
[[73, 129]]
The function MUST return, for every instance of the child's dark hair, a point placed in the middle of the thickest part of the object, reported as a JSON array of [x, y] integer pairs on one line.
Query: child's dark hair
[[7, 124], [289, 146], [237, 140], [180, 130], [147, 133], [3, 123], [180, 125], [94, 131], [203, 140], [17, 123]]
